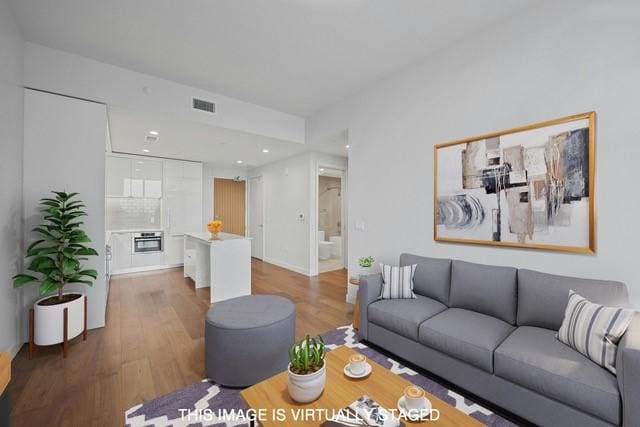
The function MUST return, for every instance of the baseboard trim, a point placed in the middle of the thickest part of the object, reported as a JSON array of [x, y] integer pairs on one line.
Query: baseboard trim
[[287, 266], [144, 269], [14, 349]]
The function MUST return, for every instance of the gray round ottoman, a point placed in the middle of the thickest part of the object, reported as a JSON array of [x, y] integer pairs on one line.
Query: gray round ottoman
[[247, 339]]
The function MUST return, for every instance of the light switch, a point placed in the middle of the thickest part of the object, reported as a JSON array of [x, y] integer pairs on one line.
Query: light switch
[[359, 225]]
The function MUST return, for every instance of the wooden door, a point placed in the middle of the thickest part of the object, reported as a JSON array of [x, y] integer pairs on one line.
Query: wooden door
[[229, 205]]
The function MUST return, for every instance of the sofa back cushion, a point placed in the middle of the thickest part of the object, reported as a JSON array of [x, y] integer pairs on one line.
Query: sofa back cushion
[[542, 297], [486, 289], [432, 277]]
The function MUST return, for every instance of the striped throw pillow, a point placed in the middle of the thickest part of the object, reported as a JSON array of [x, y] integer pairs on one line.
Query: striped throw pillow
[[397, 281], [593, 329]]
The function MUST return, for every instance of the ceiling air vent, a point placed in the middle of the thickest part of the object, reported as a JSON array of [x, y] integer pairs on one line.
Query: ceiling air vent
[[151, 138], [202, 105]]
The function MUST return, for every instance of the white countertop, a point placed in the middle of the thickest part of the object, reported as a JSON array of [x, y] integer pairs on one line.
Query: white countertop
[[205, 236], [134, 230]]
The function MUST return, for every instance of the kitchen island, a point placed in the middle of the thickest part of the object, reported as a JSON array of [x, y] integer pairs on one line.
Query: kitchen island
[[223, 265]]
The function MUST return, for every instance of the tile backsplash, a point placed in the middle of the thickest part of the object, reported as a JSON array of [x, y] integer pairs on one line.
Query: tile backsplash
[[128, 213]]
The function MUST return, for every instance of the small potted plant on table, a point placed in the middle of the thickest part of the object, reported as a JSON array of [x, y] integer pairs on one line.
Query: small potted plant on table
[[307, 369], [56, 258]]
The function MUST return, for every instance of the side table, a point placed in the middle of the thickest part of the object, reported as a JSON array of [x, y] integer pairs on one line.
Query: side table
[[356, 307]]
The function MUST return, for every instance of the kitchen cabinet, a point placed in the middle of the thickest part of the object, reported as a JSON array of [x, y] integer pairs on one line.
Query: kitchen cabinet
[[173, 250], [182, 205], [147, 174], [182, 201], [147, 259], [118, 177], [121, 251], [127, 177]]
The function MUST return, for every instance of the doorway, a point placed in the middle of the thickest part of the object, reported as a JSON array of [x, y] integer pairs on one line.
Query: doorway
[[330, 219], [256, 217], [229, 204]]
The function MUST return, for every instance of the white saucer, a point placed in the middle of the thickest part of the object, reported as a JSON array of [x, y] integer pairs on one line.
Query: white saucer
[[414, 416], [366, 372]]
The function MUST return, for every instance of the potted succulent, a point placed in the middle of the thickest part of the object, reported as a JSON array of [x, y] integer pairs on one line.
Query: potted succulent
[[307, 369], [366, 262], [56, 259]]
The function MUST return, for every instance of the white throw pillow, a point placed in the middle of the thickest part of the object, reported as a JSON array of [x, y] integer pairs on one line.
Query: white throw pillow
[[593, 329], [397, 281]]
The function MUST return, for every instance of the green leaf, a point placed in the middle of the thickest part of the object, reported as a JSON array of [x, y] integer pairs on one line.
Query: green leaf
[[87, 251], [43, 251], [61, 195], [70, 266], [48, 285], [22, 279], [33, 245], [41, 262], [91, 273], [48, 199], [52, 203]]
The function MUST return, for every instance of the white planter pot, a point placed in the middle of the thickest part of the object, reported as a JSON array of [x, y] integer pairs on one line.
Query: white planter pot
[[49, 320], [307, 388]]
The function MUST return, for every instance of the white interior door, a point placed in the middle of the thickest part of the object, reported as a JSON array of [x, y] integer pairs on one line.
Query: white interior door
[[256, 226]]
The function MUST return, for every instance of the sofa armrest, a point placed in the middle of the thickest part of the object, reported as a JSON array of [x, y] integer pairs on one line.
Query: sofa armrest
[[628, 372], [369, 290]]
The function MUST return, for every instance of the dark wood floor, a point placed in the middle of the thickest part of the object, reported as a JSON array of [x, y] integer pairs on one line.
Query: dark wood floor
[[152, 344]]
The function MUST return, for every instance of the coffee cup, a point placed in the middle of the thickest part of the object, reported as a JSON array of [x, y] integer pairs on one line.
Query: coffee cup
[[357, 363], [414, 398]]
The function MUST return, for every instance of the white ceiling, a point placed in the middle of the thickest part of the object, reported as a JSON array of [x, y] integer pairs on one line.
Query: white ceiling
[[200, 142], [296, 56]]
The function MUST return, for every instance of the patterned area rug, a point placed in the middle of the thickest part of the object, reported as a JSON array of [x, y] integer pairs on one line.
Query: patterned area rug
[[171, 409]]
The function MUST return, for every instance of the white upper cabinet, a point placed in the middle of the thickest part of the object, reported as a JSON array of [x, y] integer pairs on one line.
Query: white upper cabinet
[[128, 177], [182, 201], [148, 175], [118, 177]]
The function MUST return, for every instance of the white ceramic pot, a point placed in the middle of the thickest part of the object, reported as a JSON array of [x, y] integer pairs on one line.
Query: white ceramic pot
[[49, 320], [307, 388]]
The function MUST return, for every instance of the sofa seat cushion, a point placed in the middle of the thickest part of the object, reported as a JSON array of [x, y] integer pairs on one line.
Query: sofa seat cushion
[[466, 335], [533, 358], [404, 316]]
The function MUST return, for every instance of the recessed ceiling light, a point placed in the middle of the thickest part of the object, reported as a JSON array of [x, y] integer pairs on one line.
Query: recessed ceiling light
[[154, 132], [137, 170], [144, 150], [346, 146], [321, 169], [239, 161], [265, 150], [140, 163]]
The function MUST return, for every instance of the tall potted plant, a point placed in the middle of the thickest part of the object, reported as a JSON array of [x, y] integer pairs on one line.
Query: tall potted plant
[[56, 259]]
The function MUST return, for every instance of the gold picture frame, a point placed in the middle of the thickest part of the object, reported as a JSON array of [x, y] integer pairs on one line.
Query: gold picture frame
[[545, 192]]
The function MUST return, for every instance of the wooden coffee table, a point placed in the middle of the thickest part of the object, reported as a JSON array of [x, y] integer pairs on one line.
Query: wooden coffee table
[[382, 385]]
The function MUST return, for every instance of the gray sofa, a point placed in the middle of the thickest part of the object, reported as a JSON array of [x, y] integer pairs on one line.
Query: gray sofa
[[491, 331]]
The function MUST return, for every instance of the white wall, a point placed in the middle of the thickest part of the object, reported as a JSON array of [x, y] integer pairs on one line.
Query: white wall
[[559, 59], [64, 149], [324, 160], [286, 197], [210, 172], [62, 72], [290, 190], [11, 140]]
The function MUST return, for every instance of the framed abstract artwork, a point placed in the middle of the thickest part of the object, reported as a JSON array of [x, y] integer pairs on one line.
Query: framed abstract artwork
[[531, 187]]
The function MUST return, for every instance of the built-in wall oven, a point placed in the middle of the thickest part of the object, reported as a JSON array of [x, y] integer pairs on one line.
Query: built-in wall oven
[[146, 242]]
